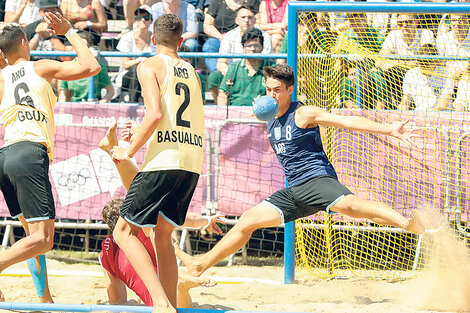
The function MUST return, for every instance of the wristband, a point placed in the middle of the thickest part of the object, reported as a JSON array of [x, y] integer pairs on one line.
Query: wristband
[[89, 23], [70, 32], [36, 36]]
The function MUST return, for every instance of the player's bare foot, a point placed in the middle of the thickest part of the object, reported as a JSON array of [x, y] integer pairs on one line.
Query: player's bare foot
[[188, 281], [415, 224], [109, 140], [193, 265]]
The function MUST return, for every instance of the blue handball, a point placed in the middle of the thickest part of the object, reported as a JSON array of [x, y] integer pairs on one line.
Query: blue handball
[[265, 108]]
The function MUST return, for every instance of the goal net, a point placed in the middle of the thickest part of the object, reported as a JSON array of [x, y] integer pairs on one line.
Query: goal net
[[388, 67]]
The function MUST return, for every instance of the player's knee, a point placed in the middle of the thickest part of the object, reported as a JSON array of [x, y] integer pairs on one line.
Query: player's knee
[[120, 233], [357, 204], [249, 221], [45, 241], [349, 205]]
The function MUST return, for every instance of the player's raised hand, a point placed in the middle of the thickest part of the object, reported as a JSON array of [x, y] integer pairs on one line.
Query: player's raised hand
[[58, 24], [212, 225], [407, 135], [129, 130]]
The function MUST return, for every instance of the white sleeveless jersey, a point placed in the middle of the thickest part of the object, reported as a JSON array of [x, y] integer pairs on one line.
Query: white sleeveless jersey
[[177, 143], [27, 106]]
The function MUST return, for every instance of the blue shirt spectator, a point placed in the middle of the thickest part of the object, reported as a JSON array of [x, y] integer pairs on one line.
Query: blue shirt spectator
[[187, 12]]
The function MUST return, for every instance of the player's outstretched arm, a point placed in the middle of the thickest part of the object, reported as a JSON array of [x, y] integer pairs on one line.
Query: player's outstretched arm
[[116, 289], [311, 116], [85, 65]]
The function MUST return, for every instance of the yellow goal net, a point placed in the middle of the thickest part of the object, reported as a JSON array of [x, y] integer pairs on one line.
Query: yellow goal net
[[388, 67]]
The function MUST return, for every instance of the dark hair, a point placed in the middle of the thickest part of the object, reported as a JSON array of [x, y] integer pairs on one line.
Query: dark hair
[[427, 49], [252, 34], [10, 37], [245, 7], [110, 213], [281, 72], [167, 30]]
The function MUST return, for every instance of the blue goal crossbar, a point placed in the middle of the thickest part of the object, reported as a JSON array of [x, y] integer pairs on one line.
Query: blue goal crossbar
[[294, 8]]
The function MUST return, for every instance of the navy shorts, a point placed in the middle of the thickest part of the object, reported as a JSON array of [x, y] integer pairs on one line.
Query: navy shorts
[[307, 198], [24, 181], [167, 193]]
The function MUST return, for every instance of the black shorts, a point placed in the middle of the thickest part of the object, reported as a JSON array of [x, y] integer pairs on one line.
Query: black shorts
[[307, 198], [167, 193], [24, 181]]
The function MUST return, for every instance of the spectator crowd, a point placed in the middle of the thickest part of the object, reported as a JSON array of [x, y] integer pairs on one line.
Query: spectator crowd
[[396, 61]]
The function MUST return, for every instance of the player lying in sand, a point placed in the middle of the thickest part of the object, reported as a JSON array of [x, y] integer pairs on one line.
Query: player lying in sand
[[118, 271]]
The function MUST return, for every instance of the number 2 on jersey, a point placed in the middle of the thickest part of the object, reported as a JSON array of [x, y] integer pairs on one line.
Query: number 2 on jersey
[[179, 120]]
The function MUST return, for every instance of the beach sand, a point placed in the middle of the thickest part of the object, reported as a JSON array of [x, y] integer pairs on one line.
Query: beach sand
[[335, 296]]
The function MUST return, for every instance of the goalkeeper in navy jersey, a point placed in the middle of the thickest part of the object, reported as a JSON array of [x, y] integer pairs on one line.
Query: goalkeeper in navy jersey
[[313, 184]]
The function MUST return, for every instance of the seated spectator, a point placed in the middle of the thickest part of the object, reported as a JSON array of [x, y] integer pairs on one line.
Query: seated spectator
[[367, 37], [200, 5], [22, 12], [219, 19], [232, 43], [362, 41], [138, 40], [405, 41], [348, 86], [77, 90], [462, 100], [456, 42], [119, 273], [2, 10], [319, 77], [129, 7], [423, 84], [244, 79], [383, 22], [273, 20], [36, 32], [371, 88], [88, 15], [187, 13]]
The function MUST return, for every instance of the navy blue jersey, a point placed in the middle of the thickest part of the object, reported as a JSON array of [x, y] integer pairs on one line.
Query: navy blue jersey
[[299, 150]]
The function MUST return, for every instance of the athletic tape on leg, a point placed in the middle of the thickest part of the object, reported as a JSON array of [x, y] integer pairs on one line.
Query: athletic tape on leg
[[39, 279]]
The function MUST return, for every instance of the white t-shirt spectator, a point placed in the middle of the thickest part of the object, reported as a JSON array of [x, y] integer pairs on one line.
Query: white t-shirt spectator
[[424, 90], [396, 45], [448, 45], [187, 14], [127, 44], [463, 93], [232, 42], [30, 13]]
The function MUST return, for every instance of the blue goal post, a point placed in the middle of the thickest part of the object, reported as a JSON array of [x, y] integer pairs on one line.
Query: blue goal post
[[297, 7]]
